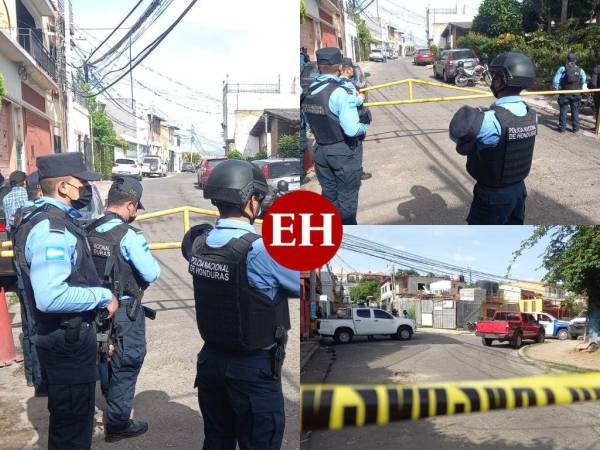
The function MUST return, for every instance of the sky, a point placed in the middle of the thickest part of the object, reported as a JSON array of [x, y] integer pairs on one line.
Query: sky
[[251, 41], [483, 248], [410, 15]]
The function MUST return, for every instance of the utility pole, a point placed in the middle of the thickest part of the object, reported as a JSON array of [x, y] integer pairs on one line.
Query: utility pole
[[131, 78]]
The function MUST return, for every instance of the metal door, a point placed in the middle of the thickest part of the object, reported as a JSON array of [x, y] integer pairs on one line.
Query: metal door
[[426, 313], [444, 314]]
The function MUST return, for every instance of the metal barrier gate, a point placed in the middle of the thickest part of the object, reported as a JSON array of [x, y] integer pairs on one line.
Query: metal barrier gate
[[477, 94]]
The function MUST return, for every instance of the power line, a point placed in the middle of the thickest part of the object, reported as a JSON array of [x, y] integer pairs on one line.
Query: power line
[[152, 46], [135, 26], [116, 28]]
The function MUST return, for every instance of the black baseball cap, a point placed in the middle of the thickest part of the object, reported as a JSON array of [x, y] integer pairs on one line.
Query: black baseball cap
[[329, 56], [347, 62], [464, 128], [65, 165], [33, 181], [17, 177], [130, 186]]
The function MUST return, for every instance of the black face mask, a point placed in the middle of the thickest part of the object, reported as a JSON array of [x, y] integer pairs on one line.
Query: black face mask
[[85, 197]]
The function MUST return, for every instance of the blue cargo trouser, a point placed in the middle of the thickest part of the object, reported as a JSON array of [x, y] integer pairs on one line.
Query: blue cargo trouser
[[339, 169], [240, 401], [566, 101], [119, 376], [498, 206]]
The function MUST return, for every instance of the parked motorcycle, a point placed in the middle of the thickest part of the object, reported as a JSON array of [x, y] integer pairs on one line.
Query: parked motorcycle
[[470, 77]]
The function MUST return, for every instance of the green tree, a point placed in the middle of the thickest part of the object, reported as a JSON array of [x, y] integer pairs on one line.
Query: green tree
[[302, 11], [234, 154], [364, 37], [289, 145], [2, 89], [364, 289], [498, 16], [260, 155], [105, 139], [403, 272], [572, 258]]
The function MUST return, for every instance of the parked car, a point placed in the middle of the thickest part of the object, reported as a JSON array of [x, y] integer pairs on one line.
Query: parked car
[[206, 167], [514, 327], [129, 167], [446, 64], [310, 73], [577, 325], [376, 55], [367, 322], [154, 165], [8, 277], [188, 167], [276, 170], [552, 326], [422, 56]]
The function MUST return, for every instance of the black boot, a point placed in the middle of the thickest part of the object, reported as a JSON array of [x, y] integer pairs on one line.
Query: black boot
[[131, 429], [365, 176]]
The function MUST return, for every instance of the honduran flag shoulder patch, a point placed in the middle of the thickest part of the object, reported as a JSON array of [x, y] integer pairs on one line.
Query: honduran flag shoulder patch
[[55, 254]]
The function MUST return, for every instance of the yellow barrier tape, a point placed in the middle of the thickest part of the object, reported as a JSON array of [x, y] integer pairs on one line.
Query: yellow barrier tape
[[334, 407], [186, 210]]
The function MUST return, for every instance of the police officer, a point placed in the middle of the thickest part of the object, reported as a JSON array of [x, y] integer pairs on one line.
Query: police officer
[[241, 297], [34, 373], [332, 115], [499, 143], [569, 77], [349, 83], [59, 275], [126, 266]]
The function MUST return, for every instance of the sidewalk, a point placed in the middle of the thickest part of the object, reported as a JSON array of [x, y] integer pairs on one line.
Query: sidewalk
[[562, 353], [307, 350]]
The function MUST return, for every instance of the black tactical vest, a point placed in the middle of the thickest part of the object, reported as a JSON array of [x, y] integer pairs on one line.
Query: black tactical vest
[[231, 315], [114, 271], [324, 124], [510, 161], [571, 77], [83, 272]]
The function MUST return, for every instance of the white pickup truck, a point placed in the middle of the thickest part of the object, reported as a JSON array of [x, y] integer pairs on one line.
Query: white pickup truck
[[366, 322]]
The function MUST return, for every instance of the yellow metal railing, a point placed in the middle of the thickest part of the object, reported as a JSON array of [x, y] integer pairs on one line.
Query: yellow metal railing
[[184, 210], [478, 94]]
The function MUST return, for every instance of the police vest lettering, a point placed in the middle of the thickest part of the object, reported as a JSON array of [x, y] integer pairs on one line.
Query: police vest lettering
[[231, 314], [212, 270], [510, 161], [115, 272]]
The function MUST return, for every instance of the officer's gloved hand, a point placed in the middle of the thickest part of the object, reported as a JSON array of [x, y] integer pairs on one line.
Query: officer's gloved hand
[[190, 237], [364, 116]]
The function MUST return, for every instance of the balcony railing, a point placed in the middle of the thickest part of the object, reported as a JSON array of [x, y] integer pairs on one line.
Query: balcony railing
[[30, 40], [267, 88]]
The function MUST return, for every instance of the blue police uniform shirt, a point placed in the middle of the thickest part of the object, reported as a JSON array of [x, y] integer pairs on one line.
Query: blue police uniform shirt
[[559, 74], [343, 105], [348, 84], [302, 63], [264, 274], [135, 250], [490, 131], [50, 255]]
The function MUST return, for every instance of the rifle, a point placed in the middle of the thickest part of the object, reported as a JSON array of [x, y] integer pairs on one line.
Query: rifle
[[281, 338], [106, 330]]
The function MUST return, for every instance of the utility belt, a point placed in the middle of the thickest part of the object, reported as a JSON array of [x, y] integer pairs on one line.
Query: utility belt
[[71, 325], [351, 142]]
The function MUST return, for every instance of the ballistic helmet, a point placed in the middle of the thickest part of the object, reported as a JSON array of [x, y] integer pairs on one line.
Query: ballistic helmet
[[235, 181], [517, 69]]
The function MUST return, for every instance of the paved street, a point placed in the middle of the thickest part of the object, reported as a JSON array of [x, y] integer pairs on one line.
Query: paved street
[[443, 356], [418, 177], [165, 396]]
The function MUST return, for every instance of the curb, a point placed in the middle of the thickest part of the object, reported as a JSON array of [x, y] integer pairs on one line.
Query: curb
[[548, 365], [304, 361]]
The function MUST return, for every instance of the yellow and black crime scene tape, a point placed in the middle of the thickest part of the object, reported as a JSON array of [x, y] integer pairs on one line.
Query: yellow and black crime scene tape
[[333, 407]]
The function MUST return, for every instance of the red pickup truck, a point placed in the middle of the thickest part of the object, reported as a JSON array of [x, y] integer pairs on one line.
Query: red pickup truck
[[510, 326]]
